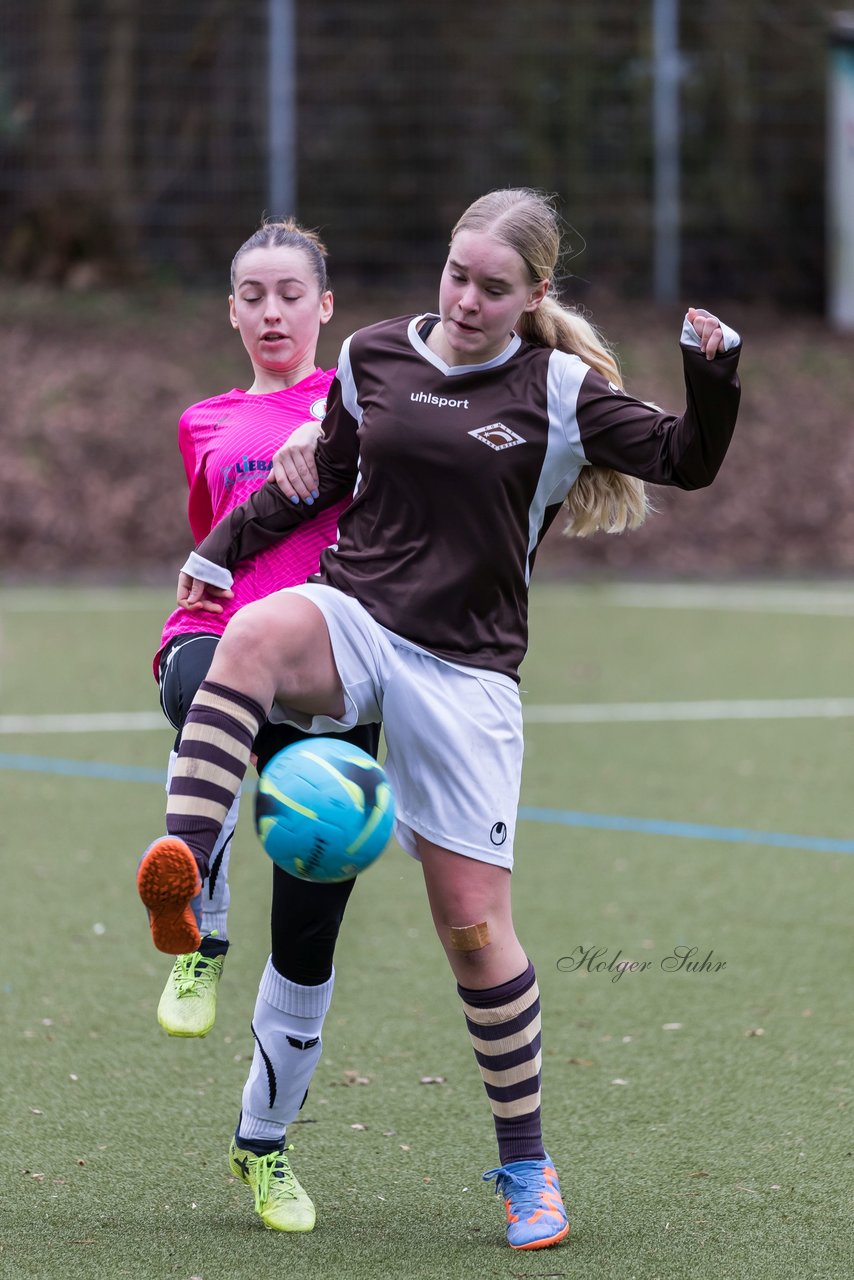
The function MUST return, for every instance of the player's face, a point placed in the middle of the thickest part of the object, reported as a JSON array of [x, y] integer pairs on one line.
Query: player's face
[[485, 288], [278, 309]]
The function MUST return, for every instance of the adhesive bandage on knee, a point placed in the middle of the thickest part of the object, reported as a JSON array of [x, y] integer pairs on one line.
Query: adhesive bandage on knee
[[471, 937]]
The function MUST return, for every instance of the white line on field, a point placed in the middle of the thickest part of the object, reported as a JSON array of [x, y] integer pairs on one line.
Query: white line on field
[[570, 713], [747, 599], [752, 709], [104, 722]]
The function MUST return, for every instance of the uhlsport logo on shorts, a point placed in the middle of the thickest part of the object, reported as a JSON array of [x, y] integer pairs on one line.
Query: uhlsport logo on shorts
[[498, 834], [497, 436]]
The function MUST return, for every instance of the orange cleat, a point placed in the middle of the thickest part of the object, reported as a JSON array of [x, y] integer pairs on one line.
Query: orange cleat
[[167, 881]]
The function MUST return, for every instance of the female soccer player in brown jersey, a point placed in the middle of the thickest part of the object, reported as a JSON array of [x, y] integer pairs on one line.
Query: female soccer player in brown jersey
[[420, 612]]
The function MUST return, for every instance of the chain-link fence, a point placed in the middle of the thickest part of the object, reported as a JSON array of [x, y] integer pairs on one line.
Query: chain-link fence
[[135, 136]]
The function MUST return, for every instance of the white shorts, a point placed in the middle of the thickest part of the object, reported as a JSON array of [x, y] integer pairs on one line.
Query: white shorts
[[453, 733]]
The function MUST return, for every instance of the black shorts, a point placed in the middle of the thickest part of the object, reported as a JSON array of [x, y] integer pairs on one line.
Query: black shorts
[[184, 664]]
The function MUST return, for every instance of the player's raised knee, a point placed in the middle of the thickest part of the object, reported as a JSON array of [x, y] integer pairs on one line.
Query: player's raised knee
[[265, 629]]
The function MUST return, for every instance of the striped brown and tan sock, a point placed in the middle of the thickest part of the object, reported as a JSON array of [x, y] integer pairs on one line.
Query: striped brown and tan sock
[[504, 1025], [216, 742]]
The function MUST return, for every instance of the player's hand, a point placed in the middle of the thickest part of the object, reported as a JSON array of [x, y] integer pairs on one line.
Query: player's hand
[[294, 470], [194, 595], [708, 329]]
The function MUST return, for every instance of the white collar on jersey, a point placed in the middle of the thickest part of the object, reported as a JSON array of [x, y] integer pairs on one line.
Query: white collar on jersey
[[454, 370]]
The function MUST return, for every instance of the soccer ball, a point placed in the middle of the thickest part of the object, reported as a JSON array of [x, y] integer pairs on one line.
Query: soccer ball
[[324, 810]]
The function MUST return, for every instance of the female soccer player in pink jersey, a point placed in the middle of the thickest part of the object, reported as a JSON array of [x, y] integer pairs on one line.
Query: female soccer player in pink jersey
[[464, 433], [230, 446]]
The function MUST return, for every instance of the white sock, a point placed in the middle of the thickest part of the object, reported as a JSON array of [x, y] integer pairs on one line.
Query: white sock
[[216, 895], [286, 1025]]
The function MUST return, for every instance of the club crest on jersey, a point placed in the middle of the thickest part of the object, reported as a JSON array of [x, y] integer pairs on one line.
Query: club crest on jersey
[[497, 436], [318, 409]]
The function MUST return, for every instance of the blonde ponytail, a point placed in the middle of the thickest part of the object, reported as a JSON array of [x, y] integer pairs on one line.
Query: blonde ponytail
[[601, 498]]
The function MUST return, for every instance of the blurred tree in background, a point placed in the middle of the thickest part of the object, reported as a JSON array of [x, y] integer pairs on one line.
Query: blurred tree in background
[[135, 147], [133, 135]]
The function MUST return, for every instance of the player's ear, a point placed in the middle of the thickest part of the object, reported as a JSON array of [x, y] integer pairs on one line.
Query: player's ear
[[232, 314], [326, 306], [536, 295]]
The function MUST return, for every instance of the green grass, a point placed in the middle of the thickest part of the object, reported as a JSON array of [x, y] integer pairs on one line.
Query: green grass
[[725, 1154]]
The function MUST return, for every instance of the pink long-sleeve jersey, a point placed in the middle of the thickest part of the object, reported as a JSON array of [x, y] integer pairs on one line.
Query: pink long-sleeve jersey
[[227, 445]]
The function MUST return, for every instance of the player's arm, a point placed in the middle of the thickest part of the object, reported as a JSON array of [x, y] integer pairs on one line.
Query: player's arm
[[268, 514], [642, 440]]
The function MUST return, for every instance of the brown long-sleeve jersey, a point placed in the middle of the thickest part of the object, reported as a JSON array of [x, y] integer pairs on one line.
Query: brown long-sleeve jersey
[[458, 471]]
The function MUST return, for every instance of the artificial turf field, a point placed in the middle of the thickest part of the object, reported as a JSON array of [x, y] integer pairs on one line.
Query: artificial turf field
[[701, 1121]]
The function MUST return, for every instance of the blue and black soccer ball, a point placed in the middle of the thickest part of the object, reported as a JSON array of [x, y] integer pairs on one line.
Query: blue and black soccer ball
[[324, 810]]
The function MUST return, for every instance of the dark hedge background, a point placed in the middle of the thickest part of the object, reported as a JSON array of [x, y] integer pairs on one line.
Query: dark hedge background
[[94, 385], [133, 134]]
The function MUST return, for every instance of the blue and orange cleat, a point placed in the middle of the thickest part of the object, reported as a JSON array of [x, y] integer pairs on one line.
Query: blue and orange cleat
[[536, 1217], [168, 882]]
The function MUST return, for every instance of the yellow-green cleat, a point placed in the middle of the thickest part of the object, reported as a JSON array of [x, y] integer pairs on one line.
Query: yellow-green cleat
[[280, 1201], [188, 1004]]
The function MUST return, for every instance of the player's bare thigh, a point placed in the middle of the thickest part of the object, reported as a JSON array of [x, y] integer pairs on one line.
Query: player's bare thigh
[[278, 649]]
